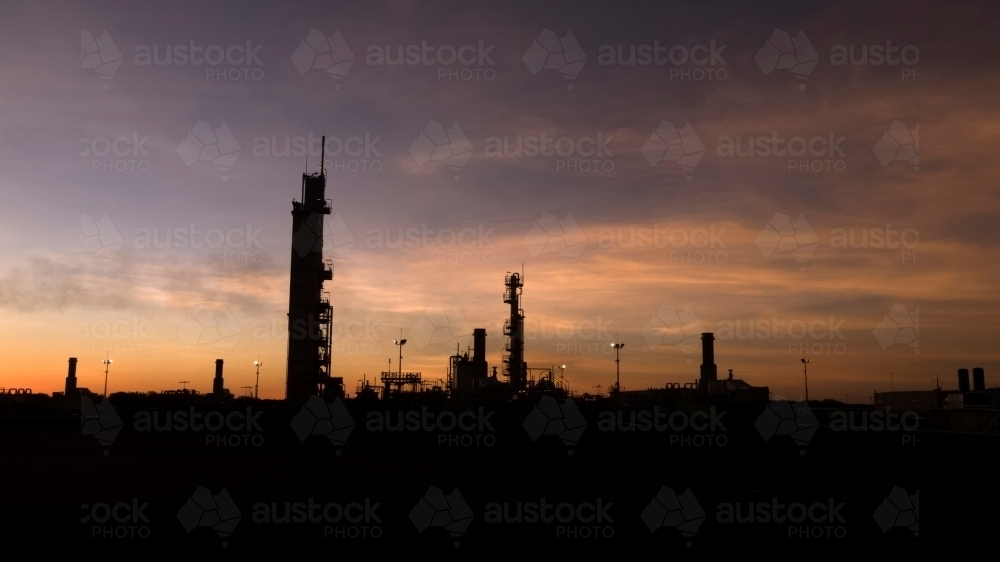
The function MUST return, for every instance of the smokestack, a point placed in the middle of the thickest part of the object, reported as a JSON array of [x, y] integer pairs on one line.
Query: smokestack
[[71, 378], [709, 371], [979, 379], [479, 344], [963, 380], [217, 389]]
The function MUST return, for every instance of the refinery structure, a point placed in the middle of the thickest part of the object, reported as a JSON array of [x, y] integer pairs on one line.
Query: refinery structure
[[470, 378]]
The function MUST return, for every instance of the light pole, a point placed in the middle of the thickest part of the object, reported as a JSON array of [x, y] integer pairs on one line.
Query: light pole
[[256, 389], [184, 386], [400, 343], [107, 364], [805, 372], [618, 372]]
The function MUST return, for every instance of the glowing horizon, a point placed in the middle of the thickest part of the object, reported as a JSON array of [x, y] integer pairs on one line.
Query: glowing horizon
[[135, 251]]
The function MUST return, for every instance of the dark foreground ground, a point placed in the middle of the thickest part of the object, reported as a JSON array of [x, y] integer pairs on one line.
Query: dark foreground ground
[[861, 491]]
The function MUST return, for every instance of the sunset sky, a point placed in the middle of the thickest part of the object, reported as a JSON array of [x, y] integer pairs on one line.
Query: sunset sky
[[107, 182]]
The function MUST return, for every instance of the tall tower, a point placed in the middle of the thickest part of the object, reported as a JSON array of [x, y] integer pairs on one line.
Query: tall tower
[[709, 372], [71, 379], [310, 317], [515, 368], [218, 384]]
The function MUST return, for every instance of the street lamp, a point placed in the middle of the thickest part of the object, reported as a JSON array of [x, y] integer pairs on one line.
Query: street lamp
[[256, 390], [805, 372], [400, 343], [107, 364], [618, 374]]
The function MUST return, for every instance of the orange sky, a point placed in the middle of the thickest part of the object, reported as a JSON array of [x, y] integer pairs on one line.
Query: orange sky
[[74, 283]]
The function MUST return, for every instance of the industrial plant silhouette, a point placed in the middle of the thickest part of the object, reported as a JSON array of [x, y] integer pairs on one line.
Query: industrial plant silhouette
[[470, 380], [495, 432]]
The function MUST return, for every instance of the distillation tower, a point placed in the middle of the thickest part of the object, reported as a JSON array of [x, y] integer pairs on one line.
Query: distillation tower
[[310, 316], [515, 369]]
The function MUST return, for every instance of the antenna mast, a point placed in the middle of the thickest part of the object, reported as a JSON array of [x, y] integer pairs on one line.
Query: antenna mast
[[322, 156]]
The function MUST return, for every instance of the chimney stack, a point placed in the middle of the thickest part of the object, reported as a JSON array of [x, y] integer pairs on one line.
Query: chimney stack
[[979, 379], [479, 344], [217, 390], [963, 380], [71, 378], [709, 372]]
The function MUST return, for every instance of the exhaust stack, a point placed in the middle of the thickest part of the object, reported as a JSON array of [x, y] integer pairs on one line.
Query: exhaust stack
[[709, 371]]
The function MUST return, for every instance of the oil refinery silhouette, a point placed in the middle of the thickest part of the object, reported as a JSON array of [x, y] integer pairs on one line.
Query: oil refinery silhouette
[[504, 432], [470, 378], [309, 368]]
